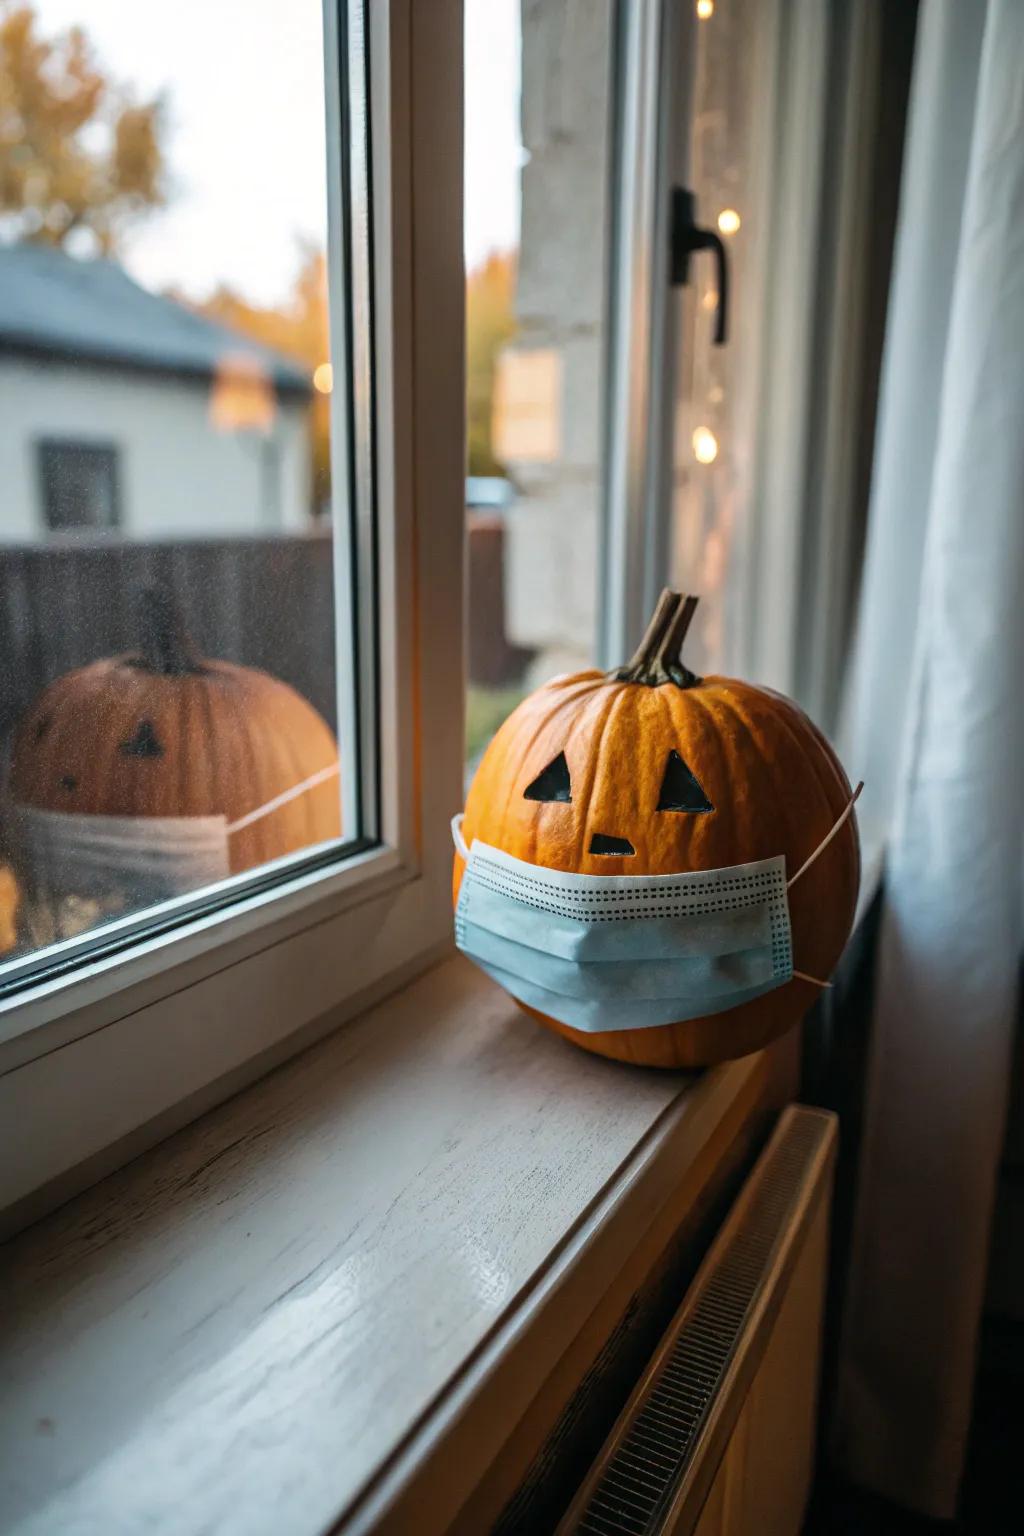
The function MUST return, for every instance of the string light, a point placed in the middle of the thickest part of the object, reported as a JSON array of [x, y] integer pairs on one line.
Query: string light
[[728, 221], [705, 9], [710, 300], [705, 445], [323, 378]]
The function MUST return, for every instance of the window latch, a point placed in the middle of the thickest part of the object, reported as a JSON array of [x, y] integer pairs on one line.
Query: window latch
[[687, 236]]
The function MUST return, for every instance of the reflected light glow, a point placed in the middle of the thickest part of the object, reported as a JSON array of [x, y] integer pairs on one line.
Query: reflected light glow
[[705, 445], [323, 378]]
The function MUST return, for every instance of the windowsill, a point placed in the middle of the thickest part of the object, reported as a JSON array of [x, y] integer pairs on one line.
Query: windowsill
[[363, 1266]]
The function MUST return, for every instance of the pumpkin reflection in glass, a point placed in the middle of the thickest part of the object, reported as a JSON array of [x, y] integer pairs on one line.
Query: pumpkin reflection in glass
[[651, 770], [164, 732]]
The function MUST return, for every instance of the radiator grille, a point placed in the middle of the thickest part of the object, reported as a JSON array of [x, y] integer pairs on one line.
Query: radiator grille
[[657, 1445]]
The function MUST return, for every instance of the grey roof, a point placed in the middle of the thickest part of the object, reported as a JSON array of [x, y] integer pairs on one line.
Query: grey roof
[[55, 304]]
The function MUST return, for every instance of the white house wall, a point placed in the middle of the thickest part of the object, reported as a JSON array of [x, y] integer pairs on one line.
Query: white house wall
[[177, 474]]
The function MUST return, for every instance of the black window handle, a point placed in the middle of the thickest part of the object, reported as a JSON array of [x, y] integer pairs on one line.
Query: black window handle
[[686, 237]]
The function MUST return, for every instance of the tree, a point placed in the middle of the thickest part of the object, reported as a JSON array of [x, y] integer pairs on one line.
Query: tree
[[490, 322], [301, 329], [79, 157]]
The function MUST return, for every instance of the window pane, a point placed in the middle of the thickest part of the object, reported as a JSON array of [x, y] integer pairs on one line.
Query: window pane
[[169, 533], [716, 437], [538, 85]]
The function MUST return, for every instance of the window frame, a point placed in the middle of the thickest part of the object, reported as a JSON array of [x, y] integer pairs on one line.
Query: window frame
[[98, 1063]]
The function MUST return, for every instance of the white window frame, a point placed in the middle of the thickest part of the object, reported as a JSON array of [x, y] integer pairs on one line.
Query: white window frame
[[102, 1061]]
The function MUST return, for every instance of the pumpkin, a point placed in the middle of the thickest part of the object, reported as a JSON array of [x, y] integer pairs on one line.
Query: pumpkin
[[162, 731], [651, 770], [10, 897]]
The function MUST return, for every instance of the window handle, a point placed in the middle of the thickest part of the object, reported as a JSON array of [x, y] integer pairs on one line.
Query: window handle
[[686, 237]]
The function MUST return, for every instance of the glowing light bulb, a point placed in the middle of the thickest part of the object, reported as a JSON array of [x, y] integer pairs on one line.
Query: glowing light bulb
[[705, 9], [323, 378], [728, 221], [705, 445]]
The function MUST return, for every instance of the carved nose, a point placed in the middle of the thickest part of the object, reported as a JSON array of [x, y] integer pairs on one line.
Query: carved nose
[[601, 843]]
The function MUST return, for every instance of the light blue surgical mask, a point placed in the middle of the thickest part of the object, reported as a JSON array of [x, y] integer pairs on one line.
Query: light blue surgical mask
[[602, 952]]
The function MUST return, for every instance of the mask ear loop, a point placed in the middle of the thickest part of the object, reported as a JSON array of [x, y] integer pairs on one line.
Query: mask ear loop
[[302, 788], [805, 866], [457, 837]]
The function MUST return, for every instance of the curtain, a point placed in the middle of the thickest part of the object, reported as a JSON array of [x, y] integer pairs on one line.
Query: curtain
[[935, 725]]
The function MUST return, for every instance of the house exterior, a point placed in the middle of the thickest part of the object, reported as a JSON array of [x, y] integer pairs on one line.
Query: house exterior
[[123, 410]]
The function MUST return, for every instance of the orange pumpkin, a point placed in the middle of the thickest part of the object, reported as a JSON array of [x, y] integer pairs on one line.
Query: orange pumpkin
[[164, 732], [10, 898], [650, 770]]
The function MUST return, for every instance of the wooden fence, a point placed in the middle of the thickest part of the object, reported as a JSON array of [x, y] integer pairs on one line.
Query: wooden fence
[[265, 602]]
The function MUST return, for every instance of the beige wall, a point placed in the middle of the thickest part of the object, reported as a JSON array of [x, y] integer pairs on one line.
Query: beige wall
[[552, 549]]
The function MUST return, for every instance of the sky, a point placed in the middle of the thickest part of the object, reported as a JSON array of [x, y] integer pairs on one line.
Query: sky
[[245, 134]]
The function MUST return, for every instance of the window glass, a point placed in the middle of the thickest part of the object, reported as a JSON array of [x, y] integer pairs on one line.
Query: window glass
[[716, 426], [169, 660], [78, 485], [538, 101]]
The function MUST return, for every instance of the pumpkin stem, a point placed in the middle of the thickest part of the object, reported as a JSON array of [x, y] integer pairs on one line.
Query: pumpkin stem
[[165, 646], [658, 658]]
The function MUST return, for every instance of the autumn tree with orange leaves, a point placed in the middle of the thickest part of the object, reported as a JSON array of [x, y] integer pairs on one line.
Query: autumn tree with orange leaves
[[490, 322], [80, 158], [299, 328]]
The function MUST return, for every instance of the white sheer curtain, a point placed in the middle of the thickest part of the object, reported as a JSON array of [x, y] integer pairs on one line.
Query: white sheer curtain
[[935, 725]]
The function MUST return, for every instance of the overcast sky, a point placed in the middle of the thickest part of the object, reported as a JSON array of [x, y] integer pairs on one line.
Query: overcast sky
[[245, 136]]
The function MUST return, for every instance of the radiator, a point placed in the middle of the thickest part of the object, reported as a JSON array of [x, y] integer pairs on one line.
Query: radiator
[[717, 1439]]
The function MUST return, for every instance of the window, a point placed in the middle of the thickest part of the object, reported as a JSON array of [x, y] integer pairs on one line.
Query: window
[[539, 82], [250, 838], [78, 483], [214, 827], [621, 447], [170, 726]]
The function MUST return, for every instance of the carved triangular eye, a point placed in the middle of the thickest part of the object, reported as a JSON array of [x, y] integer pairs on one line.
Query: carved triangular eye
[[145, 742], [680, 790], [551, 784]]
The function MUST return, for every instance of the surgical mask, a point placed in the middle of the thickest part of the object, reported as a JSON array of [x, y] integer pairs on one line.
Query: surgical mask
[[79, 870], [600, 952]]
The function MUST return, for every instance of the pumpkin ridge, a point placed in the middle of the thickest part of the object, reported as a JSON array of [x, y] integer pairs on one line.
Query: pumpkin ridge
[[798, 831], [208, 736], [745, 837], [782, 716], [589, 688], [184, 754], [835, 808], [683, 699], [672, 735], [521, 757], [606, 705], [246, 769], [618, 700], [298, 808], [705, 826], [120, 715]]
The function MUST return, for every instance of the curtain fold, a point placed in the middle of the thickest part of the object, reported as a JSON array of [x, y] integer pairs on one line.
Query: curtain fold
[[935, 725]]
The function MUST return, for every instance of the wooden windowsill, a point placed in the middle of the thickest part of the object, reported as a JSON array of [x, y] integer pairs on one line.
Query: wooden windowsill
[[329, 1303]]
